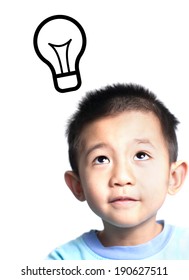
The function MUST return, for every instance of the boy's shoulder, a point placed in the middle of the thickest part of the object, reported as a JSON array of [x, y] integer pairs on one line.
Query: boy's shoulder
[[182, 236], [75, 249], [175, 244]]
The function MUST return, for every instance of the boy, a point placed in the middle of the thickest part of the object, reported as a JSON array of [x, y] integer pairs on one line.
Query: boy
[[123, 154]]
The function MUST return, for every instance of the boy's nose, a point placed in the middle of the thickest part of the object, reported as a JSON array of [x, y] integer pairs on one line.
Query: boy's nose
[[122, 176]]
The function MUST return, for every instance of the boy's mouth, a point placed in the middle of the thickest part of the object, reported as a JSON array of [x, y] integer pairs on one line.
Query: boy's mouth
[[123, 198]]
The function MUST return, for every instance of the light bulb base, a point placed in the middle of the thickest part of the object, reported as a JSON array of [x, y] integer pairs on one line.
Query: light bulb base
[[67, 82]]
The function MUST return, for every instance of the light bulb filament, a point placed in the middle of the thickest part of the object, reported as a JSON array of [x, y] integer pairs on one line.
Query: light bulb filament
[[62, 55]]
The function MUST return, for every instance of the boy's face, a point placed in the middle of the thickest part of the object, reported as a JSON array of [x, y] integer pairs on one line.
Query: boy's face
[[124, 168]]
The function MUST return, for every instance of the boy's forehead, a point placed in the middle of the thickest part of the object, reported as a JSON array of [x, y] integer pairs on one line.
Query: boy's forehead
[[140, 121]]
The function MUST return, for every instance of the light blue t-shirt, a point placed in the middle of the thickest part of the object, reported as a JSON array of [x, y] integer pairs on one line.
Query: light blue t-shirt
[[171, 244]]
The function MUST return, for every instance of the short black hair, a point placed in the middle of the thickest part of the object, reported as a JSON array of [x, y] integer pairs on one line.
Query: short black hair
[[113, 100]]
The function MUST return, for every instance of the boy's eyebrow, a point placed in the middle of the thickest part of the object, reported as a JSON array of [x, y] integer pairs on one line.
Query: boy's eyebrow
[[143, 141], [95, 147]]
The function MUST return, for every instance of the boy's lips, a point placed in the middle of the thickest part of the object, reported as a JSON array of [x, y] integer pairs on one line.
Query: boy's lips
[[123, 200]]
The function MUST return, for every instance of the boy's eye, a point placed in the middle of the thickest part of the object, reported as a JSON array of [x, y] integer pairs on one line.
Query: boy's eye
[[101, 160], [141, 156]]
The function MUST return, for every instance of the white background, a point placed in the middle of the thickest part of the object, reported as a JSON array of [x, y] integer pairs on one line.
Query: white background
[[144, 42]]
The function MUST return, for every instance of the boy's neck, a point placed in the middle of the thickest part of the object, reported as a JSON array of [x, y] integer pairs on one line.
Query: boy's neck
[[116, 236]]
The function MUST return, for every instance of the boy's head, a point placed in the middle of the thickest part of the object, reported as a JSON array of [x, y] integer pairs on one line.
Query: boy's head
[[123, 151], [111, 101]]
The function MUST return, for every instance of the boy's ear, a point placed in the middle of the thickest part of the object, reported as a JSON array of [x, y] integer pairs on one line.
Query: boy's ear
[[177, 176], [74, 184]]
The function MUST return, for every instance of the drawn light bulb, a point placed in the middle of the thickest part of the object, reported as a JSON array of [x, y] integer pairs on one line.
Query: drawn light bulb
[[60, 41]]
